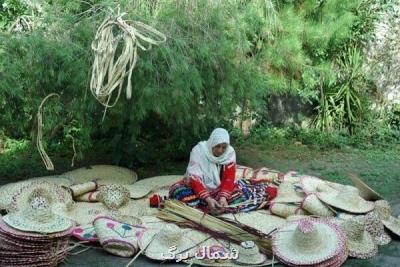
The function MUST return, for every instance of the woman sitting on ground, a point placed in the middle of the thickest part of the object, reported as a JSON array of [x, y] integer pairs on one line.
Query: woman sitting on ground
[[209, 182]]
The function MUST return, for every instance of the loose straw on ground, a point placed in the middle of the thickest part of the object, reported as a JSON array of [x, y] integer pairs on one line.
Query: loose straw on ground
[[108, 73], [179, 213], [47, 161]]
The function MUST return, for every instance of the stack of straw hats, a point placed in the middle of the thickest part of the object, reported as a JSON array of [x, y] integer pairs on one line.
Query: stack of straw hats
[[384, 212], [33, 235], [310, 242]]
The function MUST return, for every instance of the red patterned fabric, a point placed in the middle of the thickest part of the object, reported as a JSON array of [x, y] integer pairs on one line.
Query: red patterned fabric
[[225, 189]]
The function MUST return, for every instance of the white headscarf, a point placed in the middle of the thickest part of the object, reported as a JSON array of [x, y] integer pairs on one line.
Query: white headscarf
[[204, 164]]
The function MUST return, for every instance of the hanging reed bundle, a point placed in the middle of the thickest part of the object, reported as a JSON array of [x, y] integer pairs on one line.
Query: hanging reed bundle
[[185, 216]]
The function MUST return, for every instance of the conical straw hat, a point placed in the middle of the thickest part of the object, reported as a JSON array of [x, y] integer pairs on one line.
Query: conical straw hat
[[314, 206], [286, 194], [104, 174], [359, 241], [35, 215], [249, 254], [375, 227], [347, 200], [366, 192], [263, 222], [384, 211], [147, 185], [308, 242]]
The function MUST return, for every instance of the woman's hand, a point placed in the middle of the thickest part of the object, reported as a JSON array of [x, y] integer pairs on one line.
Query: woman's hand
[[212, 203], [223, 202]]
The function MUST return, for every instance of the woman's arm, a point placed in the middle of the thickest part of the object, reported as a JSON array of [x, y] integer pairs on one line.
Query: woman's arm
[[227, 180]]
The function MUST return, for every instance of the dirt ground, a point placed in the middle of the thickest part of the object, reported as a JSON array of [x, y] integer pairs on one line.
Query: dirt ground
[[388, 256]]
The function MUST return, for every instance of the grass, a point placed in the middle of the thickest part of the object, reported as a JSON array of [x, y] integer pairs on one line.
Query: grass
[[378, 168]]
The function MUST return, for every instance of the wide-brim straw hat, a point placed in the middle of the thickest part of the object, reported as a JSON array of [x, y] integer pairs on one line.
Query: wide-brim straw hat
[[104, 174], [264, 223], [145, 186], [366, 191], [359, 242], [287, 194], [37, 220], [314, 206], [375, 227], [347, 200], [308, 242], [285, 210], [243, 172], [156, 242], [384, 211], [56, 196], [9, 190]]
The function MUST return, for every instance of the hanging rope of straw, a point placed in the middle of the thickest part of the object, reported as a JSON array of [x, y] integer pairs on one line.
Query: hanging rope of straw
[[47, 161], [109, 72]]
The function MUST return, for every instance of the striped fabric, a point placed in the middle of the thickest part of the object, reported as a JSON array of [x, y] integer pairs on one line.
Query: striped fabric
[[252, 196]]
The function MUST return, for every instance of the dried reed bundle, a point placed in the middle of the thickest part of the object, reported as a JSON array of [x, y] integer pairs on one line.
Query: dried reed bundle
[[183, 215]]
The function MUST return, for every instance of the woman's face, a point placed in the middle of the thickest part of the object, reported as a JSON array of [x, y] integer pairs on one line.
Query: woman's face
[[219, 149]]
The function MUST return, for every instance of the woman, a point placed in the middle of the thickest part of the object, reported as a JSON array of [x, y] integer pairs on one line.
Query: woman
[[209, 182]]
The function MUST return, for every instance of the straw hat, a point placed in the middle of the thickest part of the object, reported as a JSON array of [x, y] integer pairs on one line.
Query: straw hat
[[55, 195], [157, 242], [308, 242], [286, 194], [314, 206], [104, 174], [384, 211], [359, 241], [262, 222], [249, 254], [117, 237], [35, 215], [9, 190], [113, 196], [285, 210], [310, 184], [243, 172], [375, 227], [366, 192], [347, 200]]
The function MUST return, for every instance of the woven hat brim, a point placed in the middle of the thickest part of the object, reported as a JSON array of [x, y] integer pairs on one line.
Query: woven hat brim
[[283, 247], [314, 206], [287, 199], [334, 200], [82, 212], [106, 174], [154, 249], [310, 184], [263, 222], [366, 192], [393, 224], [19, 221]]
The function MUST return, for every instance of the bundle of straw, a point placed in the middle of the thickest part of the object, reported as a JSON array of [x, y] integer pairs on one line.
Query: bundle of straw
[[183, 215]]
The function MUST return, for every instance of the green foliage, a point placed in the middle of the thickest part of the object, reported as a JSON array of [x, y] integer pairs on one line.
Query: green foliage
[[9, 11]]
